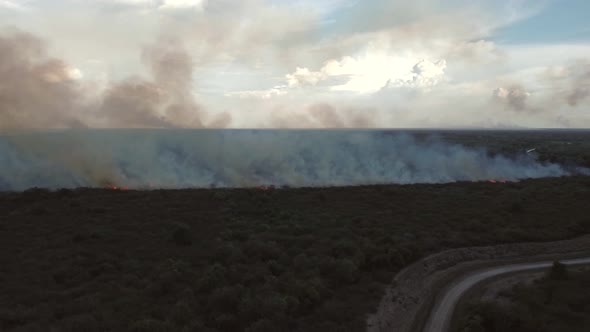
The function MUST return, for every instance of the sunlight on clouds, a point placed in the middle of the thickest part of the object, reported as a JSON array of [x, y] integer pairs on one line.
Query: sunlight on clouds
[[259, 94], [371, 72], [419, 63], [182, 4], [14, 5]]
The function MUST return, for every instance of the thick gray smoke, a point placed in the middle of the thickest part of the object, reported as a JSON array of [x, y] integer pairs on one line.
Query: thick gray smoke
[[37, 91], [321, 115], [244, 158], [580, 82], [515, 97]]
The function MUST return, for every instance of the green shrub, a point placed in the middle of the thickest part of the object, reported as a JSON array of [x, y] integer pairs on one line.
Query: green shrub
[[181, 235], [226, 322], [151, 325], [225, 299], [83, 322], [262, 325], [558, 271]]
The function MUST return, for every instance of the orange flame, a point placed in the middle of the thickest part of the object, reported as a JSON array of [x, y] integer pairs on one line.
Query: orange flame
[[113, 187], [500, 181]]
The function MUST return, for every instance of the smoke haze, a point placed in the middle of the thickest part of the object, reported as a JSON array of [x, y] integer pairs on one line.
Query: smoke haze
[[245, 158]]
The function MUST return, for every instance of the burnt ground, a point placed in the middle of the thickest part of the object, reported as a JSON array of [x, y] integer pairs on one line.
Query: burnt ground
[[247, 259]]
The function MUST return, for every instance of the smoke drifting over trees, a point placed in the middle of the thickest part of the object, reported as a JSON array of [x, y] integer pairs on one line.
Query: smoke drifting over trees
[[182, 159]]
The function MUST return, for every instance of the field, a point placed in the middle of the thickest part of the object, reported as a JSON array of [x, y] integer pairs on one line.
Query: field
[[308, 259]]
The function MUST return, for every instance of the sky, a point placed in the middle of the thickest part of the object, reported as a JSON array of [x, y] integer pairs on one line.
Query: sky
[[294, 64]]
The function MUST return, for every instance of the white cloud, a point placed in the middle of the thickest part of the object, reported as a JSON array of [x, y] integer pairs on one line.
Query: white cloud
[[380, 54], [370, 72], [182, 4], [427, 73], [304, 77], [12, 5], [259, 94]]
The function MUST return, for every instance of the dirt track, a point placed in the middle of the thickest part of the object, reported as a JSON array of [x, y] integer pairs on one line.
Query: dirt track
[[442, 313], [408, 301]]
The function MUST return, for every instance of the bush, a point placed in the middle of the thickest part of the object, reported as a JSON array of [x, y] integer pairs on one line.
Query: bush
[[84, 322], [558, 271], [262, 325], [226, 322], [225, 299], [181, 235], [151, 325], [516, 207], [344, 271]]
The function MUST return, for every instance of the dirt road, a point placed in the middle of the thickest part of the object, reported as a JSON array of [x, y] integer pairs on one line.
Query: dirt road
[[407, 304], [442, 312]]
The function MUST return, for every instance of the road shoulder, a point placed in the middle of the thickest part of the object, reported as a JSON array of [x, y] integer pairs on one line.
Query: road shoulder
[[408, 300]]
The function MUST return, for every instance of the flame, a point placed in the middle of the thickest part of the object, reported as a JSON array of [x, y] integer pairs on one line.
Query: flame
[[501, 181], [113, 187], [265, 188]]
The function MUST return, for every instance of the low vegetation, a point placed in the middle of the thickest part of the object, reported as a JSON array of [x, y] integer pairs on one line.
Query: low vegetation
[[250, 259], [566, 147], [558, 302]]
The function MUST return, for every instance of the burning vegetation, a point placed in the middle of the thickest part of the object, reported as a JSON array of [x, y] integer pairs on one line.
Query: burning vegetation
[[250, 158]]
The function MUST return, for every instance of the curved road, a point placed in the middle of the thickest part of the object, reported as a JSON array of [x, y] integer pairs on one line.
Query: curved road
[[442, 313]]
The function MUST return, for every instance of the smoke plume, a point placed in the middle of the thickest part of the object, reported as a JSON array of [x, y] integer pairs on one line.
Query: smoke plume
[[37, 91], [514, 97], [579, 82], [243, 158], [321, 115]]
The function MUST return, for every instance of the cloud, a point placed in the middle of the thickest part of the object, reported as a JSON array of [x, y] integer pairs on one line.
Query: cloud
[[514, 96], [182, 4], [144, 4], [577, 82], [11, 5], [480, 51], [369, 73], [419, 63], [305, 77], [259, 94], [428, 73]]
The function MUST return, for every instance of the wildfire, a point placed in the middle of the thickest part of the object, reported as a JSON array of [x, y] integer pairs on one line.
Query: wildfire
[[265, 188], [500, 181], [113, 187]]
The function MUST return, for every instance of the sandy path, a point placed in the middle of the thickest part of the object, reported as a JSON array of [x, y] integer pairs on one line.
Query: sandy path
[[442, 313], [407, 303]]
